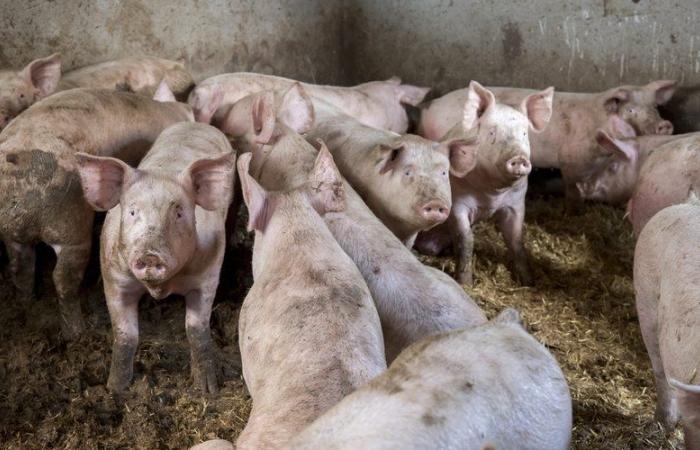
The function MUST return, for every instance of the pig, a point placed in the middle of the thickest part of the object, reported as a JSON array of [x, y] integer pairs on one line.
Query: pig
[[413, 300], [667, 288], [21, 89], [377, 104], [403, 179], [493, 386], [164, 234], [214, 444], [141, 75], [568, 141], [308, 330], [496, 187], [40, 195], [667, 176], [613, 179]]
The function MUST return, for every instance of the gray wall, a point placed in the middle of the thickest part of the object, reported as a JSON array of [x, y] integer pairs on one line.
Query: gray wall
[[575, 45], [296, 38]]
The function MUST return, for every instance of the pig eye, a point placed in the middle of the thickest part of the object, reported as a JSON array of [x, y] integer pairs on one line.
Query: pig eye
[[444, 173], [132, 213], [178, 211], [492, 132], [21, 95]]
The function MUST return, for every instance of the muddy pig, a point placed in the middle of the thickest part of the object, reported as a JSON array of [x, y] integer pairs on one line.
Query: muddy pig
[[666, 178], [614, 178], [40, 195], [141, 75], [667, 287], [413, 300], [20, 89], [377, 104], [493, 384], [568, 142], [404, 179], [309, 332], [164, 234], [498, 184]]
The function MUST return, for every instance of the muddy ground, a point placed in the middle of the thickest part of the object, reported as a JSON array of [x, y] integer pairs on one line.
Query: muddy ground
[[52, 392]]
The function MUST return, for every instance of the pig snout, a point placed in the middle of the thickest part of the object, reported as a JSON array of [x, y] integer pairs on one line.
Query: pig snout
[[518, 166], [664, 127], [435, 211], [149, 267]]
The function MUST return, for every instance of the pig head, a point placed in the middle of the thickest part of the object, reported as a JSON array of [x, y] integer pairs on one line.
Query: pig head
[[19, 90], [158, 232], [638, 105]]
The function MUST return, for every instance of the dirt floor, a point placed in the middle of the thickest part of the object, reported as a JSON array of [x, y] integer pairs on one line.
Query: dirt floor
[[52, 393]]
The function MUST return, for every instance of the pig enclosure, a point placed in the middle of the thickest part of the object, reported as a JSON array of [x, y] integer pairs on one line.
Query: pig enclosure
[[52, 393]]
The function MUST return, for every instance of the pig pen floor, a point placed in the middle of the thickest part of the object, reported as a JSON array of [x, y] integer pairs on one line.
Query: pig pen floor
[[52, 393]]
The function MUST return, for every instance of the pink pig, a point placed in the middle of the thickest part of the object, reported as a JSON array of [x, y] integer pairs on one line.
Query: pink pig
[[377, 104], [163, 234], [667, 287], [498, 183]]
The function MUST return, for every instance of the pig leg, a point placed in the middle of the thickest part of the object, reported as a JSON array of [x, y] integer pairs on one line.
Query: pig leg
[[123, 305], [464, 239], [22, 259], [666, 405], [71, 262], [510, 223], [203, 357]]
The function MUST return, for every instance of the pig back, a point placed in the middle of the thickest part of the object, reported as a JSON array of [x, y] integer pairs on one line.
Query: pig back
[[181, 144], [666, 178]]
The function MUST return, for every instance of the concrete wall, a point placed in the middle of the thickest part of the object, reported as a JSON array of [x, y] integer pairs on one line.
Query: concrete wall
[[575, 45], [296, 38]]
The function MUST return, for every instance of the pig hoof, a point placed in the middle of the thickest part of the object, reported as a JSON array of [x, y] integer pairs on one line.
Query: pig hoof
[[465, 278], [667, 419], [526, 279], [205, 378], [73, 328], [117, 386]]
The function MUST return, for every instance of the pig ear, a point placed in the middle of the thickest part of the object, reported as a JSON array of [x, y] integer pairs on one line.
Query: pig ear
[[43, 74], [462, 153], [538, 108], [163, 93], [205, 102], [663, 90], [394, 80], [263, 117], [411, 95], [479, 99], [614, 98], [102, 179], [296, 110], [621, 128], [619, 148], [327, 193], [257, 199], [211, 181], [391, 157]]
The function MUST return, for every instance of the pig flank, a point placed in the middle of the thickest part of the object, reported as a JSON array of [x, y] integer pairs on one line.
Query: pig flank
[[498, 183], [403, 179], [413, 300], [40, 195], [20, 89], [489, 384], [163, 234], [568, 142], [309, 332], [669, 173], [377, 104], [140, 75], [667, 286]]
